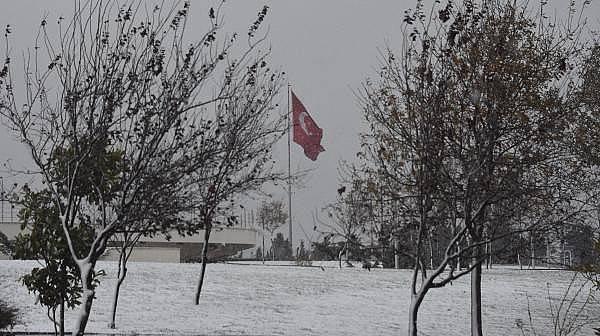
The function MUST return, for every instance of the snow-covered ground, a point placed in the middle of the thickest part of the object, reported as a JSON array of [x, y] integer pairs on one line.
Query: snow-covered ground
[[286, 300]]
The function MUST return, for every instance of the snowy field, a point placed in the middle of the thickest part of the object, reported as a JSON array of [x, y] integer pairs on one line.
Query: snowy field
[[285, 300]]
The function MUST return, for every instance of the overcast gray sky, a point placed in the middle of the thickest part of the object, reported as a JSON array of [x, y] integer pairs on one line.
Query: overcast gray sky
[[326, 47]]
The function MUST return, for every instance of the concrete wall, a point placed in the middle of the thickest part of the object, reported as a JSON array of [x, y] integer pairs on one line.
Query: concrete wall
[[217, 236], [153, 254], [177, 252]]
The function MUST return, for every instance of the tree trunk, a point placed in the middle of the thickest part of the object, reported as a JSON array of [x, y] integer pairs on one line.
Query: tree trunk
[[476, 328], [547, 258], [61, 321], [430, 251], [396, 256], [340, 257], [562, 254], [458, 265], [120, 278], [487, 254], [346, 252], [207, 229], [415, 303], [532, 251], [53, 319], [84, 314], [86, 269], [490, 256], [272, 249]]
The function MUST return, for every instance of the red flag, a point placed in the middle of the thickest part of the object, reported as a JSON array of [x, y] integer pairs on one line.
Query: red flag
[[306, 132]]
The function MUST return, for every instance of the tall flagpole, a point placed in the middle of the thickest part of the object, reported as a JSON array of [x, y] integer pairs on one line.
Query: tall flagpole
[[289, 169]]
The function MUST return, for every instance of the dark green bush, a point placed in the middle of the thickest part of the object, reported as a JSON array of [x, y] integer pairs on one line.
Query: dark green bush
[[9, 316]]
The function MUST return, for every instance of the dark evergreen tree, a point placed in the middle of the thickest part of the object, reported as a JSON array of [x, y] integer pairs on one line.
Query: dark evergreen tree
[[5, 245], [281, 248], [325, 249], [259, 253], [56, 283], [9, 316]]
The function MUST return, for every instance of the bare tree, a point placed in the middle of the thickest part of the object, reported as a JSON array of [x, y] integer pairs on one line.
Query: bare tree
[[125, 83], [125, 242], [245, 127], [346, 221], [272, 216]]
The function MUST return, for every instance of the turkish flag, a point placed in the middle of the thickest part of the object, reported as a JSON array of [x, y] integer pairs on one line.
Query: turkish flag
[[306, 132]]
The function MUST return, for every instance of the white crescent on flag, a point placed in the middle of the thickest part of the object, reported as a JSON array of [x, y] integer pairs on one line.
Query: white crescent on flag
[[306, 131], [301, 117]]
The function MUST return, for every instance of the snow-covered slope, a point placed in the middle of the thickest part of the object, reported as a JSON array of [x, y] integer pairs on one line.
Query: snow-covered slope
[[256, 299]]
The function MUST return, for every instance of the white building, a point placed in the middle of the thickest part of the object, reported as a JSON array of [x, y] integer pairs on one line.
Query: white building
[[223, 242]]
